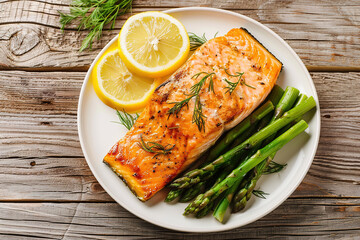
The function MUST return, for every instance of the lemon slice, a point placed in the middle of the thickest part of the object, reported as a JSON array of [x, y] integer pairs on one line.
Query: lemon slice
[[117, 87], [153, 44]]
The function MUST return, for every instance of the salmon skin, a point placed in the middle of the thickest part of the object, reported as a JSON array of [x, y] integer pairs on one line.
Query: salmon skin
[[147, 171]]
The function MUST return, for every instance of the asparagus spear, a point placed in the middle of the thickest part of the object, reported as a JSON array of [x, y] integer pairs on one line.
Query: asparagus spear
[[301, 98], [221, 208], [285, 103], [244, 194], [236, 152], [273, 97], [205, 211], [173, 194], [204, 199], [275, 94], [192, 192], [242, 127], [231, 135]]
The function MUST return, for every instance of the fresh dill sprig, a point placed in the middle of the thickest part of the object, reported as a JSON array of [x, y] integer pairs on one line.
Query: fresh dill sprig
[[178, 106], [274, 167], [93, 15], [195, 89], [196, 40], [260, 194], [233, 85], [198, 116], [211, 84], [126, 119], [154, 147]]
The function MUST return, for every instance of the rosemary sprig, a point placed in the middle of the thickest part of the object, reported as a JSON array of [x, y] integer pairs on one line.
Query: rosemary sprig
[[260, 194], [233, 85], [198, 116], [93, 15], [274, 167], [126, 119], [154, 147], [196, 40]]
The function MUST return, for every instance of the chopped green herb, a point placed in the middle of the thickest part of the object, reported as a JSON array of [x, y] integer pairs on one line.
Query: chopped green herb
[[198, 116], [196, 40], [274, 167], [126, 119], [233, 85], [260, 194], [154, 147]]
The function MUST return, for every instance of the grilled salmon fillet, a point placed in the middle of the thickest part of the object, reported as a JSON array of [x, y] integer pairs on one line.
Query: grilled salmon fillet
[[146, 172]]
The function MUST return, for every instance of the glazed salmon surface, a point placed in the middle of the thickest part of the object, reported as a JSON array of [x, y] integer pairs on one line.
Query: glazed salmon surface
[[146, 173]]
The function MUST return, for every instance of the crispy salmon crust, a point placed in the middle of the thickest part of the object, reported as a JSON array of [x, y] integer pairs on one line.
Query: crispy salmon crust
[[146, 173]]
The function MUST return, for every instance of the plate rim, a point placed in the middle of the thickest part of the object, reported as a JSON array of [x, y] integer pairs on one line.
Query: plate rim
[[223, 227]]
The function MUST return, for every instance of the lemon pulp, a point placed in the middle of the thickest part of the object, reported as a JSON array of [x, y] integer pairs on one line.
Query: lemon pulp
[[119, 88], [153, 44]]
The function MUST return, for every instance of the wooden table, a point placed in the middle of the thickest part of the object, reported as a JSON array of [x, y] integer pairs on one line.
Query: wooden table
[[46, 187]]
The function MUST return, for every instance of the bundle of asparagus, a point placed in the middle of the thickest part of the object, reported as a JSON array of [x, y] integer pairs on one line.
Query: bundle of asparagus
[[230, 170]]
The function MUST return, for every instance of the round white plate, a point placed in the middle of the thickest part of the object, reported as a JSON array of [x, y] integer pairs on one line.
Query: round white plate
[[98, 133]]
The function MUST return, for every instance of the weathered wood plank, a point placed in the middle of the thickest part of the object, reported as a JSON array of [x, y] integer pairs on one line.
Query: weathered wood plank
[[296, 218], [53, 93], [38, 127], [46, 188], [323, 33]]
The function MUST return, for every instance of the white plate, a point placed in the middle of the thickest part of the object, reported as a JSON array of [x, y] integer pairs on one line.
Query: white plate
[[98, 133]]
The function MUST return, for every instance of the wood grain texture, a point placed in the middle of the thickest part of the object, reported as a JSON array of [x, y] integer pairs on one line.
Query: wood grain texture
[[48, 191], [38, 126], [324, 33], [296, 218]]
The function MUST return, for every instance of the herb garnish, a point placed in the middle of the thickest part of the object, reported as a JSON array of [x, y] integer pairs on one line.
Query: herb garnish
[[154, 147], [126, 119], [198, 116], [274, 167], [94, 15], [197, 87], [233, 85], [196, 40], [260, 194]]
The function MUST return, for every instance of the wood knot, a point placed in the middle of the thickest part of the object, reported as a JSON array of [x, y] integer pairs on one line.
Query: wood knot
[[23, 41], [46, 123], [96, 188]]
